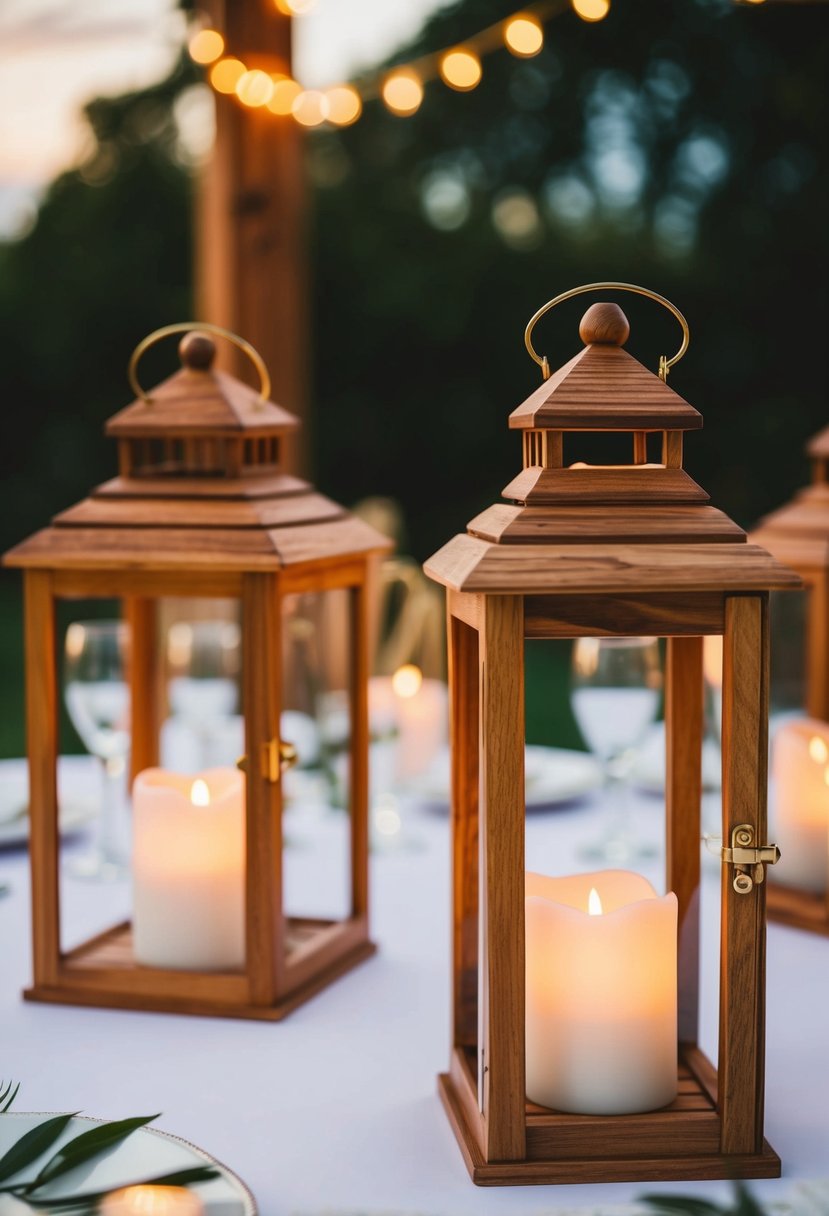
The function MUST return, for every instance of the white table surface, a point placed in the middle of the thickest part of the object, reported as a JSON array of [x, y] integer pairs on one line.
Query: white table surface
[[335, 1109]]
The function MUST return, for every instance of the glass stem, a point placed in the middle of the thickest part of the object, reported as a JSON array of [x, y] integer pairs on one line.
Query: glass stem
[[114, 825]]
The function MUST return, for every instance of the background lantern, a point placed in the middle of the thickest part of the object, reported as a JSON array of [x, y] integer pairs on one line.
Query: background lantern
[[798, 534], [620, 550], [200, 509]]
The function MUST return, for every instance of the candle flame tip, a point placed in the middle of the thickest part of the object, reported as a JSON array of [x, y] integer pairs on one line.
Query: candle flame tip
[[594, 903], [200, 793]]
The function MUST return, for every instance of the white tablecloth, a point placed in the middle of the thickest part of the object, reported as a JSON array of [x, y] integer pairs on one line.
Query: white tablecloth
[[335, 1109]]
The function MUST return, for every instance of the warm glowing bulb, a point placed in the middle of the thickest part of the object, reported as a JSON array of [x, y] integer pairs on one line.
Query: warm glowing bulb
[[310, 108], [344, 105], [294, 8], [460, 69], [285, 93], [591, 10], [818, 750], [152, 1201], [225, 75], [254, 88], [407, 680], [594, 903], [524, 35], [403, 92], [199, 793], [206, 46], [75, 640]]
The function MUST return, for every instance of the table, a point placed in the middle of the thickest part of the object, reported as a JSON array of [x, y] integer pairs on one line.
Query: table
[[335, 1109]]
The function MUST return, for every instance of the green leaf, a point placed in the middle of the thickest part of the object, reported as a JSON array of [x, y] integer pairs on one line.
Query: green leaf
[[4, 1094], [85, 1147], [29, 1147], [747, 1205], [682, 1205], [182, 1178]]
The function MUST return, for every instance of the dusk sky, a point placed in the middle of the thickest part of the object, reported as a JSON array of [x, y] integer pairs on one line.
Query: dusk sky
[[57, 54]]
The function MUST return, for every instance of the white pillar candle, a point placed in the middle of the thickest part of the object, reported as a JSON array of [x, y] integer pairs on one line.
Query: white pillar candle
[[601, 993], [189, 869], [800, 768], [422, 718]]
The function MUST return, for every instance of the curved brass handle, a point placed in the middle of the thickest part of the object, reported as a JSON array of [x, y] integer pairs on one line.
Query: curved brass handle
[[665, 364], [205, 327]]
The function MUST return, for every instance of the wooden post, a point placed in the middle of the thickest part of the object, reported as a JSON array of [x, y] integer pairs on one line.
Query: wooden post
[[261, 696], [250, 240], [360, 608], [465, 700], [141, 613], [684, 704], [817, 646], [502, 869], [42, 735], [743, 947]]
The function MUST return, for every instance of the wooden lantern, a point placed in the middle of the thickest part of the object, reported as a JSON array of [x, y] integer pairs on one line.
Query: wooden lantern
[[200, 509], [622, 550], [798, 534]]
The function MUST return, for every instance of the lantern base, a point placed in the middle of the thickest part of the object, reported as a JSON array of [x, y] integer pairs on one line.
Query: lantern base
[[797, 909], [103, 973], [678, 1143]]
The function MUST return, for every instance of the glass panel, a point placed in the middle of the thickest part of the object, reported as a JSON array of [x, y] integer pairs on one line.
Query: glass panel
[[788, 650], [316, 719]]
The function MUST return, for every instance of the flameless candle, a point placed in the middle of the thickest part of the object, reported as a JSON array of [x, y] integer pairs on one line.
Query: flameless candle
[[422, 717], [152, 1201], [800, 767], [189, 869], [601, 976]]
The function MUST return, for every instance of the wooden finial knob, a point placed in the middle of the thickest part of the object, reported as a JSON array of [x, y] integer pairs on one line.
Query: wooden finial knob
[[197, 351], [604, 323]]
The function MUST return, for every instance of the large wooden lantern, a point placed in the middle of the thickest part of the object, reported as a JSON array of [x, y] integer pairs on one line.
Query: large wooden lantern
[[586, 550], [201, 510], [798, 534]]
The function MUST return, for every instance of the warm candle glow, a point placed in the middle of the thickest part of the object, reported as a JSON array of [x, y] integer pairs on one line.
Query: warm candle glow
[[403, 92], [460, 69], [818, 749], [591, 10], [407, 680], [524, 35], [594, 903], [712, 659], [285, 93], [152, 1201], [199, 793], [294, 8], [206, 46]]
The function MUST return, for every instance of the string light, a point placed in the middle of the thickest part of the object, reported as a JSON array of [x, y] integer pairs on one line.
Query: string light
[[523, 35], [591, 10], [344, 105], [460, 69], [294, 8], [254, 88], [226, 74], [310, 108], [403, 92], [206, 46], [285, 93]]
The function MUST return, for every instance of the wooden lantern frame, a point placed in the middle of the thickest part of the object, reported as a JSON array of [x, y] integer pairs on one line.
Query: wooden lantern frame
[[200, 510], [798, 534], [605, 551]]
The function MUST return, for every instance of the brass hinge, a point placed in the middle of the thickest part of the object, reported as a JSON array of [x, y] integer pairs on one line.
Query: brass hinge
[[276, 758], [748, 859]]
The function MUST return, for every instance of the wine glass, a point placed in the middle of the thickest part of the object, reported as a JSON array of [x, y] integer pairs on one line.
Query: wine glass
[[203, 660], [98, 701], [615, 690]]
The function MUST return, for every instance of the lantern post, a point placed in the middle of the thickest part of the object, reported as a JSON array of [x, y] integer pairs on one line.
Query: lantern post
[[614, 551], [201, 508], [798, 534]]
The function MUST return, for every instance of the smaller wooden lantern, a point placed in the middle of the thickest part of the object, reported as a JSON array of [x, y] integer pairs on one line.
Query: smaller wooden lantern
[[200, 509], [618, 551], [798, 534]]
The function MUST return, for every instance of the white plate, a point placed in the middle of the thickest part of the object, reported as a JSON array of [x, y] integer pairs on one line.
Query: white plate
[[79, 786], [554, 776], [146, 1153]]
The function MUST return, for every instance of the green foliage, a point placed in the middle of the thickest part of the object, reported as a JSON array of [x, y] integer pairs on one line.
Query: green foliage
[[682, 1205], [29, 1147]]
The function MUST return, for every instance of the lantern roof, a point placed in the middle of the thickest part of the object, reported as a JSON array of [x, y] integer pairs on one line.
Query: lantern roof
[[607, 529], [798, 532], [200, 488]]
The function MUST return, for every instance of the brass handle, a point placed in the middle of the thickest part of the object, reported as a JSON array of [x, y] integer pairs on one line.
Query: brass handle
[[665, 364], [182, 327]]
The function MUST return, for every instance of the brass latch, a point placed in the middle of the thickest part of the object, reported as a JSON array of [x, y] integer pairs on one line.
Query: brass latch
[[276, 758], [748, 859]]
